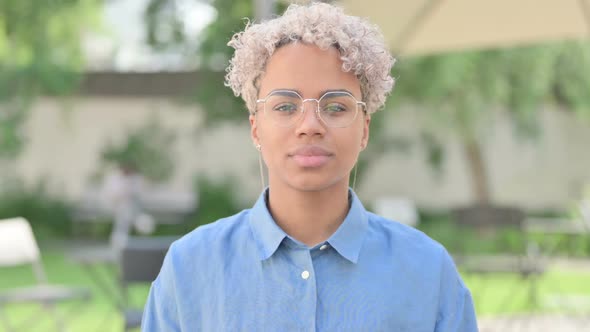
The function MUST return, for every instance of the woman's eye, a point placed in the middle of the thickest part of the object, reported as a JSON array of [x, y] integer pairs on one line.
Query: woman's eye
[[286, 107], [334, 108]]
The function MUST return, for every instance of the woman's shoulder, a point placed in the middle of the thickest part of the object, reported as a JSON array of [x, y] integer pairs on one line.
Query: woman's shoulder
[[218, 233], [404, 237]]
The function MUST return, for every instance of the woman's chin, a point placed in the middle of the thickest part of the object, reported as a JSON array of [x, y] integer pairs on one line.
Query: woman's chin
[[314, 184]]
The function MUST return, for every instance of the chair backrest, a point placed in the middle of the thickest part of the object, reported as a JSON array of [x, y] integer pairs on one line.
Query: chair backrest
[[484, 227], [17, 243], [168, 200], [484, 217], [142, 258], [584, 209], [19, 247], [168, 206]]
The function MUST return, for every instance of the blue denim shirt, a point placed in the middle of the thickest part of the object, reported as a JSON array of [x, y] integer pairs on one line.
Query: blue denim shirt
[[244, 273]]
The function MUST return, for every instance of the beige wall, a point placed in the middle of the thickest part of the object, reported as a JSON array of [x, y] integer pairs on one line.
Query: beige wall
[[547, 172], [64, 141]]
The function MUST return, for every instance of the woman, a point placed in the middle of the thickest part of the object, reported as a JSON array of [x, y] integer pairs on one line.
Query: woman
[[308, 256]]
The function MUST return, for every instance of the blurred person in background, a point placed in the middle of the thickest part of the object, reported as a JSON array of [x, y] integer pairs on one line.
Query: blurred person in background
[[121, 192], [308, 256]]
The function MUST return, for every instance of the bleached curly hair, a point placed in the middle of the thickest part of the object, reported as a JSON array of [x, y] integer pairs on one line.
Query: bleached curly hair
[[360, 43]]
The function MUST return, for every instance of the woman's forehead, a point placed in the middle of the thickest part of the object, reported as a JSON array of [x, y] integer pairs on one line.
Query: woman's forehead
[[307, 69]]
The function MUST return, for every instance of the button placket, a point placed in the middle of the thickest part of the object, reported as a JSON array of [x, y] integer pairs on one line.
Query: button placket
[[302, 258]]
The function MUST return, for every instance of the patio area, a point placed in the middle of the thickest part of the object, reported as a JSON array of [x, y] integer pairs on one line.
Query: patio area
[[564, 297]]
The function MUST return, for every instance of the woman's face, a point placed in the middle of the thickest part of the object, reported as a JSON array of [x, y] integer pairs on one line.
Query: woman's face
[[308, 155]]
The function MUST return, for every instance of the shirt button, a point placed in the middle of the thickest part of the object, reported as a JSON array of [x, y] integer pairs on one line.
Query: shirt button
[[324, 247], [305, 275]]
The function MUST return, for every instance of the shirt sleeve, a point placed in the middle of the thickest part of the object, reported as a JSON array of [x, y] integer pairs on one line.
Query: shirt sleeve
[[160, 312], [456, 310]]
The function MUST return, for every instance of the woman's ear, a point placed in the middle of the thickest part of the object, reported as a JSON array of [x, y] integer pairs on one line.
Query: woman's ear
[[366, 125], [254, 129]]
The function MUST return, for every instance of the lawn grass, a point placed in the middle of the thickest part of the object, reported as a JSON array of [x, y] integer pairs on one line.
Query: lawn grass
[[510, 294], [99, 314], [493, 295]]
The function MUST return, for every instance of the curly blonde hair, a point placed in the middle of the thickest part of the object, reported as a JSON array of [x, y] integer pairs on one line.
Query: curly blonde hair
[[360, 43]]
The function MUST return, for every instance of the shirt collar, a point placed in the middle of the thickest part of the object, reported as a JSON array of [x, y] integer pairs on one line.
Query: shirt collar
[[347, 240], [349, 237], [267, 234]]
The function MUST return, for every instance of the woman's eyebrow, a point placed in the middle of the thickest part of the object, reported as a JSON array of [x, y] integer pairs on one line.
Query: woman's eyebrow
[[335, 91], [278, 91]]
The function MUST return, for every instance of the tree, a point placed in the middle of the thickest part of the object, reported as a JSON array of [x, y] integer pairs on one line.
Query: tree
[[218, 101], [461, 92], [40, 52], [146, 150]]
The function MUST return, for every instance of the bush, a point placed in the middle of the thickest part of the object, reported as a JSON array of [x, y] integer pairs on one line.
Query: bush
[[440, 226], [147, 150], [47, 213], [217, 199]]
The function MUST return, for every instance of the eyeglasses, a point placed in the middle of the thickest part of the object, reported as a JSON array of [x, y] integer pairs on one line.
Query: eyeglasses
[[336, 109]]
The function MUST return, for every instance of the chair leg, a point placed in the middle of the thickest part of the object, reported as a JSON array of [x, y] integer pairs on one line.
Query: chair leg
[[533, 298], [57, 317], [4, 321]]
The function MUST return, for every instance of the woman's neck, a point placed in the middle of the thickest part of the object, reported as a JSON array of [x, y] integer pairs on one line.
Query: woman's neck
[[310, 217]]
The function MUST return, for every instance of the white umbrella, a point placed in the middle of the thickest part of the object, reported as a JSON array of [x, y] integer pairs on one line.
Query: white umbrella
[[415, 27]]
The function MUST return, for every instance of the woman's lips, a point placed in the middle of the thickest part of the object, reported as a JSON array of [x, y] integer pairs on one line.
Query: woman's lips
[[311, 156], [311, 161]]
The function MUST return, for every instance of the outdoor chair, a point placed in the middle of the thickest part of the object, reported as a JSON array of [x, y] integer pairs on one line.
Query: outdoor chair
[[556, 231], [164, 205], [19, 247], [140, 262], [398, 209], [584, 213], [498, 225]]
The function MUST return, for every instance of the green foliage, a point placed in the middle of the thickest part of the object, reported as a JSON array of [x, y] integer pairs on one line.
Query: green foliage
[[217, 199], [440, 226], [39, 53], [161, 16], [459, 90], [217, 100], [11, 136], [47, 213], [459, 93], [572, 78], [231, 18], [147, 150]]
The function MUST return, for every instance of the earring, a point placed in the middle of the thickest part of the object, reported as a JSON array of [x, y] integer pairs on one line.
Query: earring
[[258, 147], [354, 177]]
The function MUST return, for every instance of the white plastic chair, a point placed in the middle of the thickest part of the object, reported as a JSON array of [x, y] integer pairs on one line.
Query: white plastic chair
[[397, 209], [584, 211], [19, 247]]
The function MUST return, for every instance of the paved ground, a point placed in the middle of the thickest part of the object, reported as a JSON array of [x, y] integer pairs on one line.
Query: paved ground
[[549, 323], [575, 264]]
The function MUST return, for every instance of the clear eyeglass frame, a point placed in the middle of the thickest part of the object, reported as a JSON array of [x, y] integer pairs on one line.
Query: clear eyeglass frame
[[318, 111]]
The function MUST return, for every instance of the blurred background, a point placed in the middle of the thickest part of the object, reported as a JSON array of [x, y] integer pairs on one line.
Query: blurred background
[[117, 136]]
